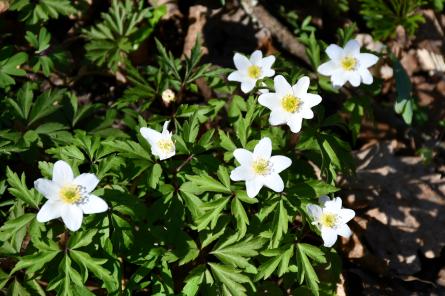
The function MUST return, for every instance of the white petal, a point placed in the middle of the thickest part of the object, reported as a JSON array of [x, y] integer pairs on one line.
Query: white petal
[[301, 87], [328, 68], [263, 149], [338, 78], [165, 128], [334, 52], [333, 205], [267, 73], [354, 78], [248, 85], [366, 76], [274, 182], [50, 210], [278, 117], [311, 100], [236, 76], [306, 113], [269, 100], [243, 156], [323, 199], [164, 156], [314, 211], [344, 230], [256, 57], [329, 236], [367, 60], [281, 85], [62, 173], [89, 181], [241, 173], [253, 187], [150, 135], [241, 62], [266, 63], [72, 217], [346, 215], [294, 122], [47, 188], [280, 163], [352, 48], [94, 205]]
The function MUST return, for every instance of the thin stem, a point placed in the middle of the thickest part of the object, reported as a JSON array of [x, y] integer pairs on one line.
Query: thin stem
[[187, 160]]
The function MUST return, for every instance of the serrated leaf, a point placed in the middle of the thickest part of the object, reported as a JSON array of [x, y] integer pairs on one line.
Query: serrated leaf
[[307, 272], [280, 257], [230, 277], [19, 189], [279, 224], [238, 253], [193, 281]]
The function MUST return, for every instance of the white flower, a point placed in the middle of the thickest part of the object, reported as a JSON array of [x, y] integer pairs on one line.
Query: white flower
[[168, 96], [348, 64], [161, 143], [290, 104], [248, 71], [69, 197], [331, 219], [259, 168]]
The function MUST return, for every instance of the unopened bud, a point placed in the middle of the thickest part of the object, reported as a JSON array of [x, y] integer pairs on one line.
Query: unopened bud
[[168, 96]]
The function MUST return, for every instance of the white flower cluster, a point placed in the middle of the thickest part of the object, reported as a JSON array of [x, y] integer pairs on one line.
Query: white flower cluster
[[70, 197], [290, 104]]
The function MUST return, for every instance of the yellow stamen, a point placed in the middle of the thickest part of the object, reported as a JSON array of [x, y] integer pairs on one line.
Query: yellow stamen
[[70, 194], [261, 167], [328, 220], [348, 63], [254, 72], [290, 103], [166, 145]]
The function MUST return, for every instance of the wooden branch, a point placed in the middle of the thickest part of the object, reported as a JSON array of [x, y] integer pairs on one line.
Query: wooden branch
[[287, 40]]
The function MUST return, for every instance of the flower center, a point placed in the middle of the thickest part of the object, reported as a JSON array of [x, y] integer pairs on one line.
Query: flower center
[[290, 103], [328, 220], [70, 193], [166, 145], [261, 167], [254, 72], [349, 63]]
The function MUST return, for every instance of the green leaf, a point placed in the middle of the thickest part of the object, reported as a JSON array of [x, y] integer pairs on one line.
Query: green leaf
[[81, 239], [307, 272], [191, 128], [10, 66], [94, 265], [19, 189], [279, 224], [193, 280], [230, 277], [238, 253], [206, 183], [226, 142], [213, 211], [280, 258], [35, 262], [155, 175], [241, 217], [404, 101], [129, 149], [12, 226]]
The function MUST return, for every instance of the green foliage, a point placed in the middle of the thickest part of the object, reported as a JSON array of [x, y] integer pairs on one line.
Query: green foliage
[[179, 226], [34, 12], [404, 101], [383, 17], [121, 31]]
